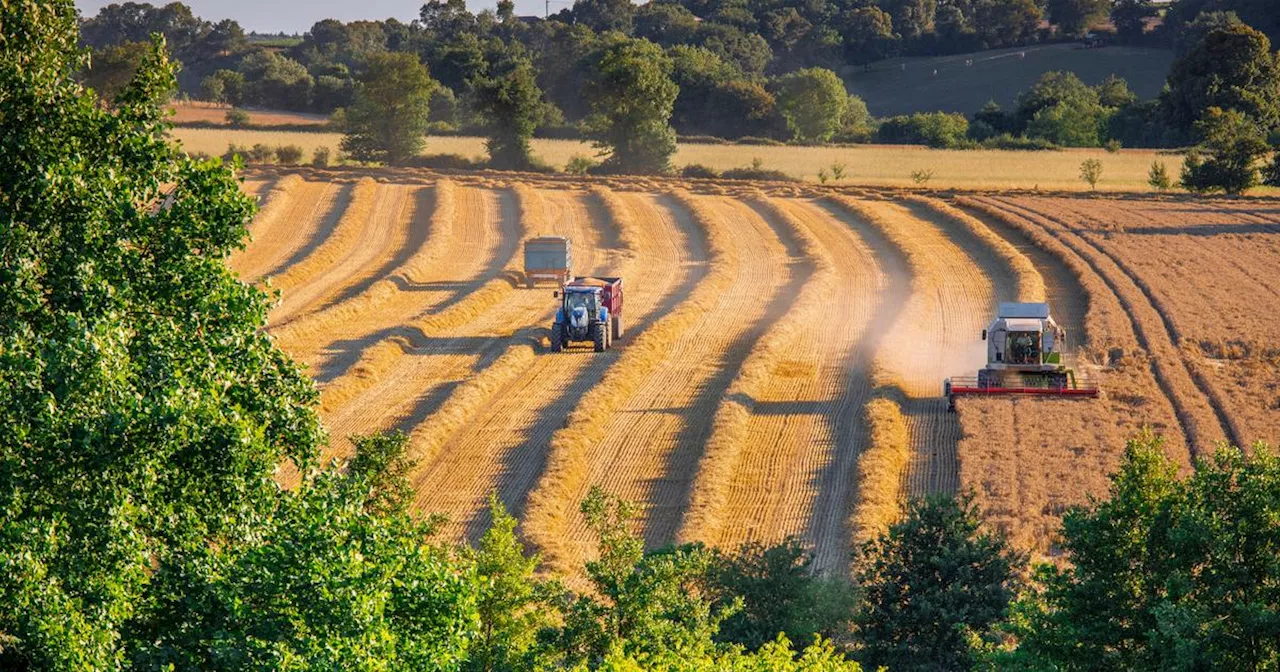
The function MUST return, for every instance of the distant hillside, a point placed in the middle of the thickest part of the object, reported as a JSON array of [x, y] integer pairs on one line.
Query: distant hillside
[[905, 85]]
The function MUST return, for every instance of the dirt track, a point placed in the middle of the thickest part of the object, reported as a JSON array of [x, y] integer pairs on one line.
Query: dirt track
[[760, 325]]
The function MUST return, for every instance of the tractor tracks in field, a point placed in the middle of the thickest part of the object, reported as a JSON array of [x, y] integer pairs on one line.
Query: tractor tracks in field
[[1198, 412]]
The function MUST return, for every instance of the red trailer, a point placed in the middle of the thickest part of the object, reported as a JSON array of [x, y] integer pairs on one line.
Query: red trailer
[[590, 310]]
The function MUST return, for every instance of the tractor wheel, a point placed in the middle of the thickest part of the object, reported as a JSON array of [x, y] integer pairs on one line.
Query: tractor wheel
[[599, 335], [557, 338], [617, 327], [529, 282]]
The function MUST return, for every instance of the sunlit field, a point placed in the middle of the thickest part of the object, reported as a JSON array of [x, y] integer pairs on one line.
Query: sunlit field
[[876, 165]]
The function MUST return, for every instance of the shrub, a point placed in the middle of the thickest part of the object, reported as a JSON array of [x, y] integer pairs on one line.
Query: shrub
[[289, 155], [698, 170], [837, 171], [756, 172], [1091, 172], [922, 176], [753, 140], [445, 162], [441, 128], [237, 118], [234, 150], [701, 140], [1018, 142], [261, 153], [936, 129], [1158, 177], [320, 159], [823, 175], [580, 165], [1112, 146], [1227, 159]]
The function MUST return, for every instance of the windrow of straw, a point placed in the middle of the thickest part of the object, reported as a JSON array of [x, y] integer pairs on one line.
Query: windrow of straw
[[474, 394], [882, 466], [275, 204], [344, 238], [565, 478], [1030, 285], [380, 358], [628, 232], [703, 520], [414, 270], [917, 261]]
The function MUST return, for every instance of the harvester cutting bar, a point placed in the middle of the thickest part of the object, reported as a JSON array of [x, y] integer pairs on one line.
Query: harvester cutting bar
[[971, 386]]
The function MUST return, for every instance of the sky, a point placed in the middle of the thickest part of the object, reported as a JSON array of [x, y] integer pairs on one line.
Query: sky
[[272, 16]]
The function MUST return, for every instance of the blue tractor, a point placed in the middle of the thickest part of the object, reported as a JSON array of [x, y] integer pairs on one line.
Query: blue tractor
[[590, 312]]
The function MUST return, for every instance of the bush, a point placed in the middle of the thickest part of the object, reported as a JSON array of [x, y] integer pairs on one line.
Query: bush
[[753, 140], [261, 153], [935, 129], [445, 162], [1158, 177], [441, 128], [580, 165], [701, 140], [757, 171], [698, 170], [320, 159], [1112, 146], [237, 118], [289, 155], [1271, 174], [1018, 142], [922, 177], [1091, 172], [234, 150]]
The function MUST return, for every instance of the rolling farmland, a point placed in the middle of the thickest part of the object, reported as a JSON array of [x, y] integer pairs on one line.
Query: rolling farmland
[[785, 346]]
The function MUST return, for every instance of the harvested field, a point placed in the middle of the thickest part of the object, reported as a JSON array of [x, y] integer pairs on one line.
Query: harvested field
[[781, 370]]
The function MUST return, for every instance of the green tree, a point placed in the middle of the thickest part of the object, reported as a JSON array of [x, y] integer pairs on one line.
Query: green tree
[[1001, 23], [388, 120], [665, 23], [934, 585], [1074, 17], [225, 86], [779, 593], [640, 605], [1232, 68], [334, 576], [276, 81], [868, 35], [112, 67], [514, 607], [1227, 158], [813, 102], [605, 15], [511, 104], [142, 407], [748, 51], [1164, 573], [1091, 172], [632, 98], [1130, 18]]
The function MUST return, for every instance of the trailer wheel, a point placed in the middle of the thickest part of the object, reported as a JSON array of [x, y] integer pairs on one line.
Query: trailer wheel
[[617, 326], [557, 338], [598, 336]]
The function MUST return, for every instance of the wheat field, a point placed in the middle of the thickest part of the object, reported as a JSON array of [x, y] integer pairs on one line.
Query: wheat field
[[781, 371], [870, 165]]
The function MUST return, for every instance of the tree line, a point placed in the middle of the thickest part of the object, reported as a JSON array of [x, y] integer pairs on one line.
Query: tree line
[[144, 415]]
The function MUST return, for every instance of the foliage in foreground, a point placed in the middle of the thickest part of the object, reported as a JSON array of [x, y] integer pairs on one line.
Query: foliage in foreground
[[1165, 573]]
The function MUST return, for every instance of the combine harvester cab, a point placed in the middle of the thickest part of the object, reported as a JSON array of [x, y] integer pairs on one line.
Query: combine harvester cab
[[590, 312], [1024, 357], [548, 258]]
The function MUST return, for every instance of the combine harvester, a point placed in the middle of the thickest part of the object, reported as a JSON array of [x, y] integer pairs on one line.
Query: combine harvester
[[1024, 357], [590, 311]]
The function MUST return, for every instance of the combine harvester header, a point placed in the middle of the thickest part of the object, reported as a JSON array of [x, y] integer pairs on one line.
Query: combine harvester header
[[1024, 357]]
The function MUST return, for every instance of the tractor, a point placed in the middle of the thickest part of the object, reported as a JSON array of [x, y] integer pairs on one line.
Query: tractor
[[590, 312]]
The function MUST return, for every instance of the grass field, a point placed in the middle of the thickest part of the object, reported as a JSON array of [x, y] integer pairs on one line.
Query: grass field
[[965, 82], [781, 368], [872, 165]]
